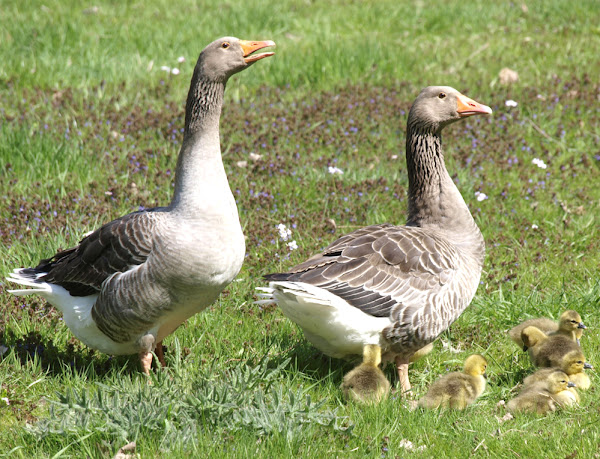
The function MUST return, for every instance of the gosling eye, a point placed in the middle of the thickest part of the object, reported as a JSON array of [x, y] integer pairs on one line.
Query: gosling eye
[[442, 95], [573, 321], [225, 45]]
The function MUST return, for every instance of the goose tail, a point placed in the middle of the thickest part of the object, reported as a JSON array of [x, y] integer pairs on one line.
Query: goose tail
[[28, 278]]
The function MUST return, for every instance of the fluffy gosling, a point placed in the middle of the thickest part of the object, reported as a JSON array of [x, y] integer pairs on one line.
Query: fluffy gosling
[[366, 383], [573, 364], [544, 350], [458, 389], [569, 324], [544, 396]]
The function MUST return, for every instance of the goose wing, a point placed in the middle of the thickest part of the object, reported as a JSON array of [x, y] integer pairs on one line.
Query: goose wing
[[115, 247], [385, 271]]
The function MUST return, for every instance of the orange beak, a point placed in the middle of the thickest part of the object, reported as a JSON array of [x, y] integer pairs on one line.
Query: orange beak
[[248, 47], [468, 107]]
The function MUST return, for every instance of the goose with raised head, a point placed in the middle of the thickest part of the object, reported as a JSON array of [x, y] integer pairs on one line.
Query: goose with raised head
[[133, 281], [395, 286]]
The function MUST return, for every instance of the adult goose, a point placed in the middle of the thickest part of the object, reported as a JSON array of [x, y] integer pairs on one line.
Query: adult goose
[[395, 286], [133, 281]]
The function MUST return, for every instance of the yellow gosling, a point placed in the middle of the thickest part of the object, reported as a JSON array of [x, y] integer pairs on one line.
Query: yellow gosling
[[544, 396], [458, 389], [569, 324], [544, 350], [366, 383], [573, 364]]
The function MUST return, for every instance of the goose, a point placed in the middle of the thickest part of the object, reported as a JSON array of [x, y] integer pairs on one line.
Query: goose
[[458, 389], [133, 281], [544, 350], [367, 383], [569, 325], [395, 286], [572, 363], [543, 396]]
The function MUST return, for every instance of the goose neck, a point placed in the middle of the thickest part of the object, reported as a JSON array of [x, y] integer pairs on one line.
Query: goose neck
[[434, 201], [200, 172]]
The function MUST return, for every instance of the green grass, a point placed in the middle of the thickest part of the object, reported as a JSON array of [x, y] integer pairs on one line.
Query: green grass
[[90, 131]]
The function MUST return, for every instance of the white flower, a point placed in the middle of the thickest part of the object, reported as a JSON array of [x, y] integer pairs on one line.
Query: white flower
[[409, 445], [335, 170], [284, 232], [254, 156], [5, 400], [175, 71], [404, 443], [292, 245], [539, 163], [165, 68], [511, 103], [480, 196], [534, 226], [181, 59]]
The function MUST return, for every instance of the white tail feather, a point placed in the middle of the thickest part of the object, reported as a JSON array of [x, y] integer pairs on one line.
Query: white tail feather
[[37, 287]]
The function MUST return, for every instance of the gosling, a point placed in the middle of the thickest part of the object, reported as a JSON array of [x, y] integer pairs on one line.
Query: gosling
[[366, 383], [458, 389], [569, 325], [544, 350], [573, 364], [544, 396]]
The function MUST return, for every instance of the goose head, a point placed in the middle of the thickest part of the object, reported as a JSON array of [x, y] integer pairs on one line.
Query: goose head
[[437, 106], [559, 381], [475, 365], [570, 321], [532, 336], [229, 55], [573, 362]]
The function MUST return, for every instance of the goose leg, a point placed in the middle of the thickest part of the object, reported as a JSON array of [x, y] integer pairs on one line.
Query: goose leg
[[402, 366], [146, 360], [160, 354], [146, 345]]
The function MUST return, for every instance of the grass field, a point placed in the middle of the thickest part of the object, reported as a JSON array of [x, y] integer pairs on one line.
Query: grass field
[[91, 127]]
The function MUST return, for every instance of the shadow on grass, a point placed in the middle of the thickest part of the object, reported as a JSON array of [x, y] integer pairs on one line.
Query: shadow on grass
[[310, 362], [34, 348]]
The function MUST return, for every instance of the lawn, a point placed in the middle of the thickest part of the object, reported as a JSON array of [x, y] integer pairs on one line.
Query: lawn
[[92, 111]]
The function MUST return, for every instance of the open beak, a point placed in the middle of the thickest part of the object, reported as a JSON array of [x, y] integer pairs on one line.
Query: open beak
[[248, 47], [468, 107]]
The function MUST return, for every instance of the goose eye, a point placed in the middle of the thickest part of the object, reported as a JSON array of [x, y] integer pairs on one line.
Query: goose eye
[[225, 45], [442, 95]]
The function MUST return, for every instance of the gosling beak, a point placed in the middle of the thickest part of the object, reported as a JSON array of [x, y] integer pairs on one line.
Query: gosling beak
[[571, 384], [248, 47], [525, 348], [581, 325], [468, 107], [588, 366]]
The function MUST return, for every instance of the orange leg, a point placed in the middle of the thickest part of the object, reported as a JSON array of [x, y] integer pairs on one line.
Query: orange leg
[[402, 366], [160, 354]]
